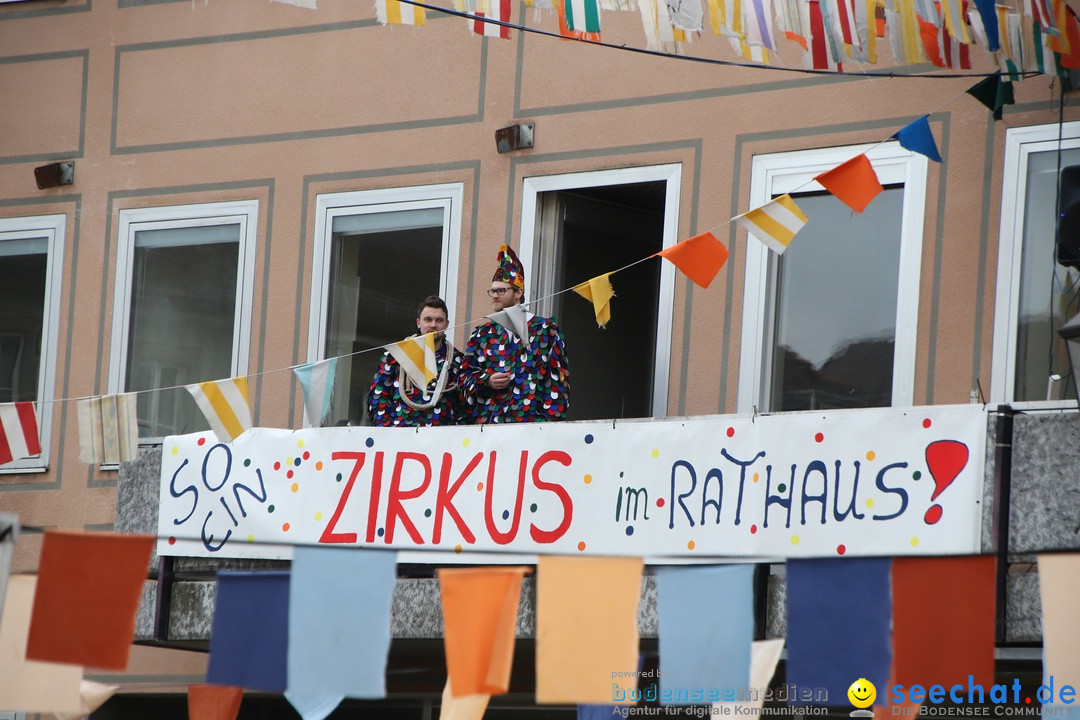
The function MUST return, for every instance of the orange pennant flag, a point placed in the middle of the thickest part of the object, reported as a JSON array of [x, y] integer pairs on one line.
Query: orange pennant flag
[[480, 609], [854, 182], [586, 627], [213, 702], [944, 620], [88, 591], [699, 257]]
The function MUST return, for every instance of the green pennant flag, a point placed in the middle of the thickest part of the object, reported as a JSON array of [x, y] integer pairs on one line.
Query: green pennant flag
[[993, 93]]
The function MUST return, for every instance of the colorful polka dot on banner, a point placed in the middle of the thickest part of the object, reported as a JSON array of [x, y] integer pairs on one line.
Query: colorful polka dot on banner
[[629, 530], [588, 439], [916, 475], [172, 541], [295, 487], [691, 545], [532, 508], [731, 432], [505, 514], [782, 487], [819, 437], [370, 442], [926, 423], [581, 546], [289, 474], [247, 462], [656, 452], [465, 442], [380, 532], [201, 441], [319, 465], [277, 466], [915, 542], [285, 527], [174, 450], [869, 502], [795, 539], [756, 477], [479, 487], [296, 462], [659, 502], [318, 517], [427, 512], [457, 549], [300, 443], [251, 538], [588, 478], [841, 549], [870, 455]]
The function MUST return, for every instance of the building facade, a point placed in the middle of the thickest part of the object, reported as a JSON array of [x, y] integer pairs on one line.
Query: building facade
[[258, 185]]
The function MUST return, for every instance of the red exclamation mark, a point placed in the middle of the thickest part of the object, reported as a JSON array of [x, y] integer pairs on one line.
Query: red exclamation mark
[[944, 459]]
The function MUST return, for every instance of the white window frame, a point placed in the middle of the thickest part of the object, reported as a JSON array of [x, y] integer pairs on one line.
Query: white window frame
[[529, 247], [1020, 143], [245, 213], [53, 228], [448, 196], [794, 172]]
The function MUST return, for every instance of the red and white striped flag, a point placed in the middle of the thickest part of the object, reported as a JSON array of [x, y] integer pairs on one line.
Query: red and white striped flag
[[494, 9], [18, 431]]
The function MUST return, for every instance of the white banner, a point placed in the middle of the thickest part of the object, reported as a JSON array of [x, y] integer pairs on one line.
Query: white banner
[[815, 484]]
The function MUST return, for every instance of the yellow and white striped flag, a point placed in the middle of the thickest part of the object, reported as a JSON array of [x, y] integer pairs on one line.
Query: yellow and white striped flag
[[225, 405], [394, 12], [416, 356], [108, 429], [774, 223]]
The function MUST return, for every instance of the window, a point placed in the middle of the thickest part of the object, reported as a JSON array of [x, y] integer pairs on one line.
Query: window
[[182, 310], [575, 227], [377, 254], [831, 323], [1035, 293], [31, 269]]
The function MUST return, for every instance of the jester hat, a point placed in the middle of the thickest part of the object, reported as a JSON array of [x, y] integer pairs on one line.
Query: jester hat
[[510, 270]]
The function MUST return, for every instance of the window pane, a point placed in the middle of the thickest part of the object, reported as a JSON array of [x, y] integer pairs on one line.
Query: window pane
[[380, 270], [597, 230], [22, 306], [1045, 286], [183, 311], [836, 306]]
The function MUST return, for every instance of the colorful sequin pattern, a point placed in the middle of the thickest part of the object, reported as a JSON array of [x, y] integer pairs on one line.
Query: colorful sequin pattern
[[540, 387], [387, 409]]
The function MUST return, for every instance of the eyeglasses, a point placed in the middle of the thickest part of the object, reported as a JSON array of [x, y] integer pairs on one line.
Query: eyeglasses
[[498, 292]]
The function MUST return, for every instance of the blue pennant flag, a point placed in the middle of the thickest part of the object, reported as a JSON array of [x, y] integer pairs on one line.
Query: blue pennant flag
[[917, 137], [250, 632], [839, 612], [704, 654]]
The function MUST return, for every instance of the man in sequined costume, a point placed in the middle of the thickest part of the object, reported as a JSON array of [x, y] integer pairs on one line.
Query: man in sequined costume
[[509, 376], [393, 399]]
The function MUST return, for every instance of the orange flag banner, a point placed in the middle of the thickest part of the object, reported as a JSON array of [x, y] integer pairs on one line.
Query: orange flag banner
[[480, 609], [699, 257], [88, 591], [213, 702], [854, 182], [943, 620], [586, 627], [465, 707]]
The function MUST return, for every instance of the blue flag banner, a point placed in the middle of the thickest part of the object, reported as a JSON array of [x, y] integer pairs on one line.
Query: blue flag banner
[[250, 631], [339, 621], [838, 615], [916, 137], [704, 654]]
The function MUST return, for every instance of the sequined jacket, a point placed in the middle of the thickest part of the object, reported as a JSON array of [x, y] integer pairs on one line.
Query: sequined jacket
[[387, 409], [540, 387]]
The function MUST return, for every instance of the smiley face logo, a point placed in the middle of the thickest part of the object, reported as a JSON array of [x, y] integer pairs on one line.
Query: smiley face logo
[[862, 693]]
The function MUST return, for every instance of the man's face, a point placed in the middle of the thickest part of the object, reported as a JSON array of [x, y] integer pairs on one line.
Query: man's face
[[432, 320], [504, 295]]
